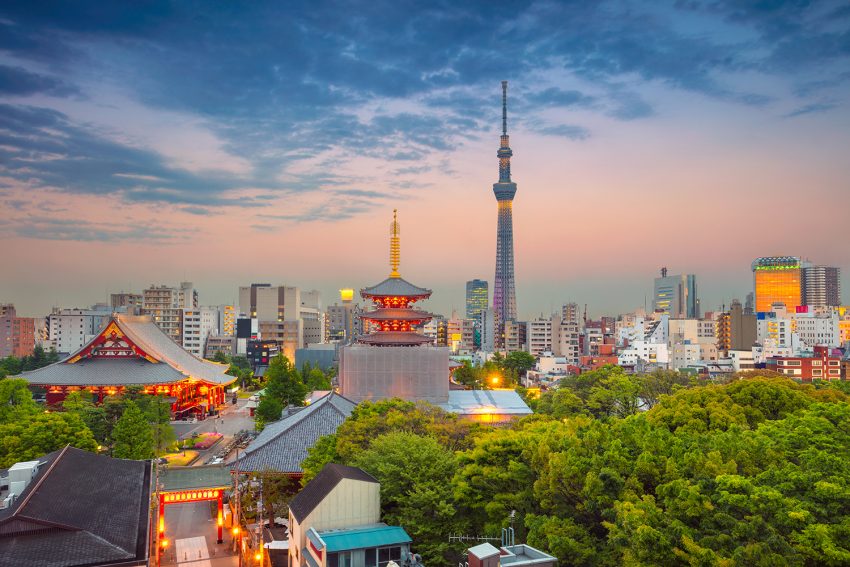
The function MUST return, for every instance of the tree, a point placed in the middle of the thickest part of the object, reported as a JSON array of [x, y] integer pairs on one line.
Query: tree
[[519, 361], [412, 470], [15, 399], [32, 435], [314, 378], [221, 357], [284, 388], [132, 437]]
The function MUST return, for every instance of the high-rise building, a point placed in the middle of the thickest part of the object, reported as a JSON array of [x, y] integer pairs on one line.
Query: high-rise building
[[165, 305], [285, 314], [778, 279], [17, 334], [735, 329], [133, 302], [676, 296], [539, 336], [571, 313], [476, 298], [504, 291], [821, 286]]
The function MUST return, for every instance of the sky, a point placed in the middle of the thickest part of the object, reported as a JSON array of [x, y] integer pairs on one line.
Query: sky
[[226, 143]]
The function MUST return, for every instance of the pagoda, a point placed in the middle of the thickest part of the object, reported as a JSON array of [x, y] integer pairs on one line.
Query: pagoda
[[393, 360], [393, 320]]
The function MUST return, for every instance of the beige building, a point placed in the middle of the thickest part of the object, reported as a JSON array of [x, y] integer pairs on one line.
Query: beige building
[[336, 520]]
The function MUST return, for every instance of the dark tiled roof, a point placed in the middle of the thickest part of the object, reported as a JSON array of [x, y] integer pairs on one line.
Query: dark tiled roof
[[394, 287], [104, 372], [95, 510], [283, 444], [312, 495]]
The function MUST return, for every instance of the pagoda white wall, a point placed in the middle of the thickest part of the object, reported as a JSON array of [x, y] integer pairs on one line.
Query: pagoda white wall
[[410, 373]]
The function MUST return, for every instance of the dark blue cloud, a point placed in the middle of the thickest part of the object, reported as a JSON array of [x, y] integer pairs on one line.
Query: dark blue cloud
[[17, 81]]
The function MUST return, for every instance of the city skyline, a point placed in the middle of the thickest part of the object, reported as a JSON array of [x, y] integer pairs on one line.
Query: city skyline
[[136, 152]]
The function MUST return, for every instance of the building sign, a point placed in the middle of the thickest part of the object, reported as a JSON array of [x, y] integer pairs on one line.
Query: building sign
[[190, 496]]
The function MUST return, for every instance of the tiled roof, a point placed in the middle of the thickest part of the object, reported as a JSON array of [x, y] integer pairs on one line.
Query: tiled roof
[[283, 444], [317, 489], [394, 287], [104, 372], [175, 364], [143, 331], [98, 506]]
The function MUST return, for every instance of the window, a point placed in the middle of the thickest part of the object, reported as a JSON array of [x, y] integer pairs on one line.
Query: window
[[387, 554], [371, 557], [817, 372]]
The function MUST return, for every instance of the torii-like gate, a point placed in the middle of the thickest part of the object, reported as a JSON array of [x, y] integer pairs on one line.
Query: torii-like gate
[[179, 485]]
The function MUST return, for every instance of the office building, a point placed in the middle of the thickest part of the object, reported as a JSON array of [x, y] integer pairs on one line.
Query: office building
[[285, 314], [477, 295], [778, 279], [736, 330], [676, 296], [487, 327], [504, 292], [821, 286]]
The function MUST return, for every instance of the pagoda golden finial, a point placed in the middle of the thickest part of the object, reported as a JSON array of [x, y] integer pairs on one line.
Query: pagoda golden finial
[[395, 246]]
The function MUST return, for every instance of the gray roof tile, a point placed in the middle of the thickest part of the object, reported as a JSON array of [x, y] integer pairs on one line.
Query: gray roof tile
[[283, 444]]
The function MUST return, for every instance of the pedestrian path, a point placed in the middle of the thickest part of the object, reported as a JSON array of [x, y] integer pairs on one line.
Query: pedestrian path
[[193, 552]]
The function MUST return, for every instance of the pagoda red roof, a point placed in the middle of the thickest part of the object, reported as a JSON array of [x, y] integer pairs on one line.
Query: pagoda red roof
[[395, 287], [397, 314]]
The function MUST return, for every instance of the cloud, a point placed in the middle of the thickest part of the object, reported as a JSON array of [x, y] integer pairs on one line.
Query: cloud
[[17, 81], [813, 108], [49, 228], [566, 130]]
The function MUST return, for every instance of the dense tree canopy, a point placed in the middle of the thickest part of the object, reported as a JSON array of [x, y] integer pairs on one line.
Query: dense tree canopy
[[618, 469], [27, 431], [132, 436], [284, 387]]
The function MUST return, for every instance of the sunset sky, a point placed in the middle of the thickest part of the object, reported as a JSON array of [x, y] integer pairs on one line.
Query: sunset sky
[[226, 143]]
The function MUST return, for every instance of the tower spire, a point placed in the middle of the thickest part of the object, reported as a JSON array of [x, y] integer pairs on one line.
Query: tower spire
[[395, 246], [504, 108]]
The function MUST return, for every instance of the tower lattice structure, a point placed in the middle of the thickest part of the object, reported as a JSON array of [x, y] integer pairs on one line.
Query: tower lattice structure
[[504, 290]]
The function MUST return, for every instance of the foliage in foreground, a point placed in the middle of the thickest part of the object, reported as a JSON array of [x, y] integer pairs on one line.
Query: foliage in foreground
[[754, 472]]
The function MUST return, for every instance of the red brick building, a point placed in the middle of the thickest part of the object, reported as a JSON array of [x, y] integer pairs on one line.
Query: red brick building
[[823, 364]]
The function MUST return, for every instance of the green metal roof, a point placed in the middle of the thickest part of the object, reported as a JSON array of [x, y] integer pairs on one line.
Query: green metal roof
[[364, 538], [191, 478]]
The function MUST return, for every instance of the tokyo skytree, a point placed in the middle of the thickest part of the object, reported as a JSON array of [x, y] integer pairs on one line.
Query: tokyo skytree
[[504, 292]]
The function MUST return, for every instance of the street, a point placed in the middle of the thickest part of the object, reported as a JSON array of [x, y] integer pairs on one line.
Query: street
[[191, 533], [232, 420]]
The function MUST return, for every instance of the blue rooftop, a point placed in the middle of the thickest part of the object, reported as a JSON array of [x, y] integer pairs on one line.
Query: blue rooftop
[[363, 538]]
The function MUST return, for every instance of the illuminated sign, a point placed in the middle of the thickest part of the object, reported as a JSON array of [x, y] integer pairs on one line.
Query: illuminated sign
[[190, 496]]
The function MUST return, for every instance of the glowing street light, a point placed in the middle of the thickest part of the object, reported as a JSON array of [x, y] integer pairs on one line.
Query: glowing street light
[[494, 379]]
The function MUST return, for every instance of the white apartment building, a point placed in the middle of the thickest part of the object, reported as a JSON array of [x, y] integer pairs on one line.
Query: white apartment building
[[68, 330], [644, 352], [539, 336], [817, 330], [565, 340], [198, 325], [742, 360]]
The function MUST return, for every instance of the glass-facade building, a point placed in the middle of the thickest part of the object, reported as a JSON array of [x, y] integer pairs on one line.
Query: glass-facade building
[[476, 298], [778, 279]]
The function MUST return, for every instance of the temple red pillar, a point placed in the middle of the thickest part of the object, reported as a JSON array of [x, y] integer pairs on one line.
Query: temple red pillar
[[220, 517], [161, 543]]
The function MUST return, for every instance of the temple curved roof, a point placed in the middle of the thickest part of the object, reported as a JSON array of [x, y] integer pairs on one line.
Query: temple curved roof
[[397, 314], [395, 287], [162, 362]]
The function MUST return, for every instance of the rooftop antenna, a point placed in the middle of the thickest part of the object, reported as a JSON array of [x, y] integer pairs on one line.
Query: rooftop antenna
[[504, 108], [664, 272]]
